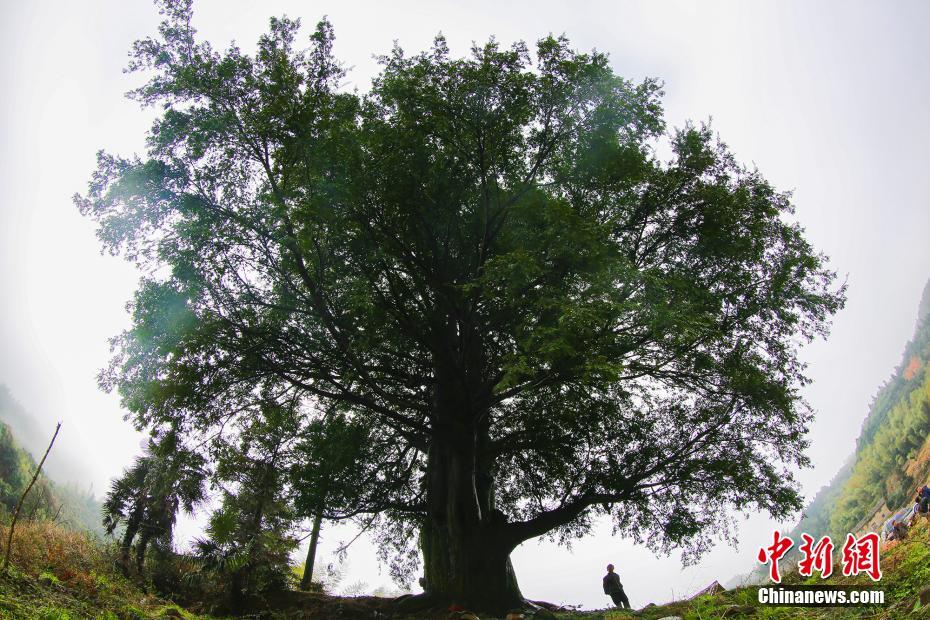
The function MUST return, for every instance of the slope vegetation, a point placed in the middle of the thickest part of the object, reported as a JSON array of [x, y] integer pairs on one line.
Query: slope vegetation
[[892, 454]]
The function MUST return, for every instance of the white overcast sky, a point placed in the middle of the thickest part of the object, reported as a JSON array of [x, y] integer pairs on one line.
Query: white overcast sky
[[829, 99]]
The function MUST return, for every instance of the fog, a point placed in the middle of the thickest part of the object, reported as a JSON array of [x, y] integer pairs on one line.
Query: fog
[[828, 99]]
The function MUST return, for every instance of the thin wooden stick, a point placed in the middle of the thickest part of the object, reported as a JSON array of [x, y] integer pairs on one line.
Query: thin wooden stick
[[19, 504]]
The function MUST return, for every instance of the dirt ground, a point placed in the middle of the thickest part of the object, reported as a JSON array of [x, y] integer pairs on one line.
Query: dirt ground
[[320, 606]]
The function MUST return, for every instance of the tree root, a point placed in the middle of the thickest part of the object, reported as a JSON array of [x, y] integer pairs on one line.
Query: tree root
[[416, 603], [413, 603], [540, 609]]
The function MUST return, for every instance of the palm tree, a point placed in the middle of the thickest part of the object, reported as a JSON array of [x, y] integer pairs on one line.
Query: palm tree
[[148, 495]]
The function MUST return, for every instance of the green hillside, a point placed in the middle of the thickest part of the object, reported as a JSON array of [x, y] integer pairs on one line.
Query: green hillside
[[892, 454], [62, 503]]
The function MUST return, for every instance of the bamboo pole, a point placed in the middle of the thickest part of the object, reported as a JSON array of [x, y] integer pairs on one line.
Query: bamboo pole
[[22, 498]]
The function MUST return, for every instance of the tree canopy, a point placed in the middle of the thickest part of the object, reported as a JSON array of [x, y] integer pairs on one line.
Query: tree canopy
[[483, 265]]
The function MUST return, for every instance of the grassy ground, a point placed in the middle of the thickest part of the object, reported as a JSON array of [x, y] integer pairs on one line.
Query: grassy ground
[[58, 574], [62, 575]]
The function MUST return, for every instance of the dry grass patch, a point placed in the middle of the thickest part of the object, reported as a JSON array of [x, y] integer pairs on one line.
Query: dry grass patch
[[42, 546]]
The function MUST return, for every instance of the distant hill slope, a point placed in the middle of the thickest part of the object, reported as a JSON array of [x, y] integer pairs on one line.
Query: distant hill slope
[[892, 454], [62, 503], [33, 436]]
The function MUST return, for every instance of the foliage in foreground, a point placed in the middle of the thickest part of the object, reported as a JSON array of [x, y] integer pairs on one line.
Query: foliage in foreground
[[59, 574]]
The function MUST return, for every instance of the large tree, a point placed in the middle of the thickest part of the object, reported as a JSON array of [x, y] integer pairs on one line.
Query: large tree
[[485, 261]]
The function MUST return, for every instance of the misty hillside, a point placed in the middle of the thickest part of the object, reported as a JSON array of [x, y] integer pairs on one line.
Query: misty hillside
[[28, 433], [48, 500], [892, 453]]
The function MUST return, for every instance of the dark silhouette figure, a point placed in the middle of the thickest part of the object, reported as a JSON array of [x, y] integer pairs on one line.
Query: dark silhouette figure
[[923, 499], [614, 589]]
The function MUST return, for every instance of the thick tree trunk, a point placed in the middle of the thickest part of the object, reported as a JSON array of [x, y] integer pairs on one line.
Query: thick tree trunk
[[307, 580], [466, 553], [471, 571]]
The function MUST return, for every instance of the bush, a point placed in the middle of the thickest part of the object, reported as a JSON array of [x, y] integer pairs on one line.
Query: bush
[[58, 573], [43, 546]]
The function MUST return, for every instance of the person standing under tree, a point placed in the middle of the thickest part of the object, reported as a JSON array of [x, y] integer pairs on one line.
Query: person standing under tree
[[614, 589]]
